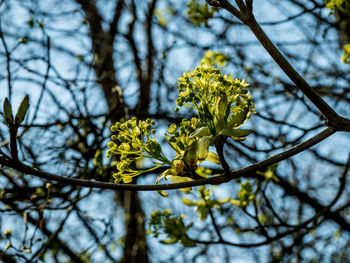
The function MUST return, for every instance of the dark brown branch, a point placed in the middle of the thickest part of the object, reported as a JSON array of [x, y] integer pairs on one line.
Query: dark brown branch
[[145, 86], [113, 26], [249, 20], [220, 150], [316, 99], [241, 5], [216, 227], [13, 141], [104, 64], [243, 172], [226, 5], [8, 61], [304, 197]]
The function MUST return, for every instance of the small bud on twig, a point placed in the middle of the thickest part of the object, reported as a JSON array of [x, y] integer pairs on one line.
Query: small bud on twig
[[215, 3], [22, 110], [8, 116]]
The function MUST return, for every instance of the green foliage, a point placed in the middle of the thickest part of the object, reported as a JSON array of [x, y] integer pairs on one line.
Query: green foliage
[[215, 58], [162, 15], [205, 203], [189, 153], [246, 194], [342, 6], [8, 233], [222, 103], [270, 173], [7, 111], [134, 142], [200, 13], [164, 222], [98, 157], [346, 56], [21, 112]]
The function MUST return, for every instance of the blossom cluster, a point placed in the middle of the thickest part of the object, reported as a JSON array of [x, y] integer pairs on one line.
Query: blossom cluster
[[221, 101], [132, 143], [222, 104]]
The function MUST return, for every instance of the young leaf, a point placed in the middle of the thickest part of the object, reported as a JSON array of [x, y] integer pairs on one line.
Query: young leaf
[[22, 110], [203, 147], [220, 111], [164, 174], [212, 157], [188, 202], [238, 118], [168, 241], [204, 131], [179, 179], [173, 144], [235, 132], [187, 243], [8, 112]]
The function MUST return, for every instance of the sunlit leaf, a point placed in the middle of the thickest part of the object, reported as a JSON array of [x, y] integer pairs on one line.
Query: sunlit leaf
[[168, 241], [180, 179], [212, 157], [188, 202], [203, 147], [235, 133], [238, 118], [204, 131], [22, 110]]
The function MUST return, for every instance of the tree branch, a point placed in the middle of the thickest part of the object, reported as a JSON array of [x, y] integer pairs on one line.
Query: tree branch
[[247, 172], [327, 111]]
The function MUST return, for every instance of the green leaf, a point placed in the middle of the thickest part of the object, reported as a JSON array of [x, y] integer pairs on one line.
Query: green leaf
[[235, 202], [8, 112], [168, 241], [346, 56], [188, 202], [212, 157], [179, 179], [204, 131], [22, 110], [98, 157], [203, 213], [223, 201], [162, 193], [163, 174], [190, 157], [239, 118], [235, 133], [220, 112], [203, 147], [207, 114], [187, 243], [173, 144]]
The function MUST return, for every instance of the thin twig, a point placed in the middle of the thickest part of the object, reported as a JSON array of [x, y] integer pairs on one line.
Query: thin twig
[[332, 117], [13, 141]]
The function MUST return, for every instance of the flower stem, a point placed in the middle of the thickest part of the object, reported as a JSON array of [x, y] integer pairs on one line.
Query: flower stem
[[220, 150]]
